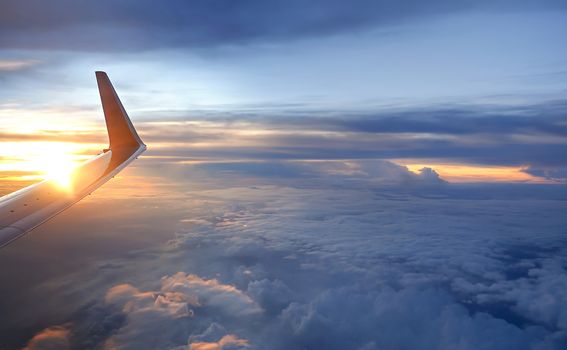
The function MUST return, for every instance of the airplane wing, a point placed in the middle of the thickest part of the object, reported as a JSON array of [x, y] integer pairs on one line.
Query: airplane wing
[[23, 210]]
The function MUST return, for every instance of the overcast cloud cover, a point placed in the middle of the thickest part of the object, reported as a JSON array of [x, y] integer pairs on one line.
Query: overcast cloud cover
[[34, 24], [272, 209]]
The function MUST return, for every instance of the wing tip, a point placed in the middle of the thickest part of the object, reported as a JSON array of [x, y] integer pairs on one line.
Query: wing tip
[[101, 74], [121, 131]]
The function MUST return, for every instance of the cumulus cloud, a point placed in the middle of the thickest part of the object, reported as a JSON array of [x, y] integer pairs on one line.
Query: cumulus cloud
[[538, 295], [150, 318], [131, 300], [398, 319], [211, 293], [215, 338], [226, 342], [272, 295], [52, 338], [394, 173], [368, 172], [313, 263], [350, 274], [168, 310], [549, 173]]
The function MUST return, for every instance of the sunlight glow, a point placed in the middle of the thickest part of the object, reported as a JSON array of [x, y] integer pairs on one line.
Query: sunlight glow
[[42, 160], [59, 168], [476, 173]]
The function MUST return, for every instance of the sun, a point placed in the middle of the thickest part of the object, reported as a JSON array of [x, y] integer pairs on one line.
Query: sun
[[59, 169], [44, 160]]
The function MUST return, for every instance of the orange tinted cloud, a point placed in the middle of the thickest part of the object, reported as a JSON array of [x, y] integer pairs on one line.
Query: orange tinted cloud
[[27, 145], [475, 173], [56, 337], [229, 340]]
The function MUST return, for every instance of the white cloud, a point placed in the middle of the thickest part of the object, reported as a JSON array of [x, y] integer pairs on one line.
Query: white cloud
[[155, 319], [410, 318], [211, 293], [403, 257], [350, 267], [14, 65], [539, 295], [131, 300]]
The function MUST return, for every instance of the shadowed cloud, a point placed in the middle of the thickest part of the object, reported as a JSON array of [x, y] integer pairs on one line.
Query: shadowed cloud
[[135, 25], [529, 137]]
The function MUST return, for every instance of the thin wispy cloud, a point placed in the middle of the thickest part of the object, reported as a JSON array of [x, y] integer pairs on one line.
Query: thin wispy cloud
[[474, 143], [15, 65]]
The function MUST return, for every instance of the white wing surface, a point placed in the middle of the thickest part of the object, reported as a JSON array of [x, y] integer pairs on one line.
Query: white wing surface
[[23, 210]]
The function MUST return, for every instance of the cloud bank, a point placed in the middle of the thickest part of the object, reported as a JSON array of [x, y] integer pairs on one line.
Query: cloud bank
[[295, 263]]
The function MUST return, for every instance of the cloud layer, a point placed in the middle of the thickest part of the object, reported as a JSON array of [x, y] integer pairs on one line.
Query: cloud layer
[[135, 25], [294, 263], [528, 139]]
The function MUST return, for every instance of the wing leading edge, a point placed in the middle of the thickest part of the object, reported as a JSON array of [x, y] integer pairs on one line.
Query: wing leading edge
[[23, 210]]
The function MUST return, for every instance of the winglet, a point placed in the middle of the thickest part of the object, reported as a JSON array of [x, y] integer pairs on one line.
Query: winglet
[[121, 132]]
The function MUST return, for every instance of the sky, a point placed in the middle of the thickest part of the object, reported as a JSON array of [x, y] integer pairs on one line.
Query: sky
[[323, 174], [474, 90]]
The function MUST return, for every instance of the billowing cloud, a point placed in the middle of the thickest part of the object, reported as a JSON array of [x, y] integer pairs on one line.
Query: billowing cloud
[[349, 274], [299, 262], [52, 338], [550, 173], [367, 172], [168, 311], [131, 300], [537, 293], [211, 293], [399, 319], [215, 338]]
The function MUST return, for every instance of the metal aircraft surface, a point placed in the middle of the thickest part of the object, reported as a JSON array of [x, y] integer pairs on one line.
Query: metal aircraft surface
[[23, 210]]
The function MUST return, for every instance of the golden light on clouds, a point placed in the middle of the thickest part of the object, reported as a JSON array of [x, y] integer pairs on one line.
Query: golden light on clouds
[[49, 143], [41, 160], [46, 143], [475, 173]]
